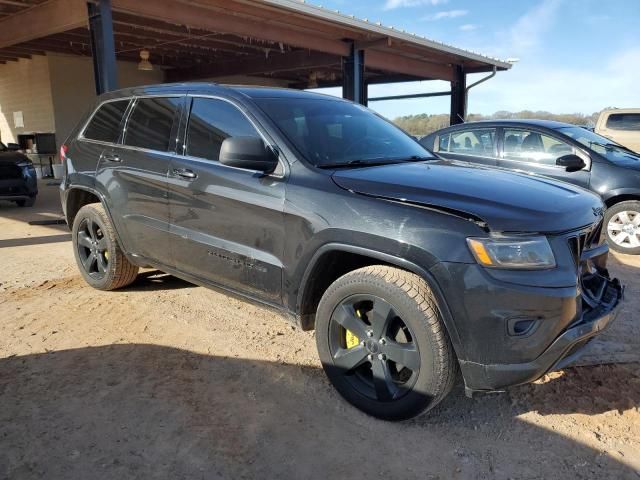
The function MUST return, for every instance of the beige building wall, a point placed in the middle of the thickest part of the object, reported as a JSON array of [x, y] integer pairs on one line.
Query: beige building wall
[[73, 87], [25, 87]]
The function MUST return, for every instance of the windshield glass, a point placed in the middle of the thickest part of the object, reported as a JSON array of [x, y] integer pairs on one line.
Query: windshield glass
[[599, 144], [3, 147], [333, 133]]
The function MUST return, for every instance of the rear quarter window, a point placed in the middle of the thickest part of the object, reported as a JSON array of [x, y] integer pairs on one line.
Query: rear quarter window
[[624, 121], [104, 126]]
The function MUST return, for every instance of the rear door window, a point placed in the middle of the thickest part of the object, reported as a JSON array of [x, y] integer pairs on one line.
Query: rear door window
[[210, 122], [624, 121], [104, 126], [150, 123], [478, 142]]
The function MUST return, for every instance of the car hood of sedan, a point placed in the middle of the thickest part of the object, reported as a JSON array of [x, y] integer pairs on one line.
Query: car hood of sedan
[[506, 201]]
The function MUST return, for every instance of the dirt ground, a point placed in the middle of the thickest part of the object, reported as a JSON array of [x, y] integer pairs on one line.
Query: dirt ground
[[167, 380]]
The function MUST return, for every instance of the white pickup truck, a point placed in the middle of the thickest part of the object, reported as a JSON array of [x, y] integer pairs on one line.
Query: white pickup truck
[[622, 125]]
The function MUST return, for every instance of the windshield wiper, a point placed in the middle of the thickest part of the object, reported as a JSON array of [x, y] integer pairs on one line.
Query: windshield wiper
[[372, 163], [357, 163]]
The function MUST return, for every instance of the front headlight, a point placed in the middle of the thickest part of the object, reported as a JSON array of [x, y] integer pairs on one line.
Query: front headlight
[[531, 253]]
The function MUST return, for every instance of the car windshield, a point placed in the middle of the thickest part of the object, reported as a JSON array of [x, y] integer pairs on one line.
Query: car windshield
[[3, 147], [601, 145], [332, 133]]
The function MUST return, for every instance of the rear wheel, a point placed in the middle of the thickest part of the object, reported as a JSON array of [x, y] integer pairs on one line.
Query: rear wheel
[[98, 255], [382, 343], [622, 224]]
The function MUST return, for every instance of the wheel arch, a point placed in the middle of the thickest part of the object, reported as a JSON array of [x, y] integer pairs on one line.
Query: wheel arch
[[79, 196], [319, 274], [622, 196]]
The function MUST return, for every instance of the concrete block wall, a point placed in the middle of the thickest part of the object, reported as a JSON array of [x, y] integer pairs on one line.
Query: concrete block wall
[[25, 86]]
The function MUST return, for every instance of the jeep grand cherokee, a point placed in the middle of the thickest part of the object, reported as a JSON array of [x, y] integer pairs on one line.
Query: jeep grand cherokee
[[410, 268]]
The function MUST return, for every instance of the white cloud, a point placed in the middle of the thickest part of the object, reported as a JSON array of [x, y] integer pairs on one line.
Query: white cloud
[[530, 28], [467, 27], [393, 4], [537, 86], [445, 14]]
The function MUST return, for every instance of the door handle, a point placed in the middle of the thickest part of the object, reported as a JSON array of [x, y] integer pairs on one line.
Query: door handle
[[185, 173], [111, 158]]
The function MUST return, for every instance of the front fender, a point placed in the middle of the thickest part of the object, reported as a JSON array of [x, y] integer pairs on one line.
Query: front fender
[[386, 258]]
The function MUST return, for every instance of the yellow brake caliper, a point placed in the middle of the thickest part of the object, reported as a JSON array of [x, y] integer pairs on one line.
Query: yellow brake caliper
[[351, 339]]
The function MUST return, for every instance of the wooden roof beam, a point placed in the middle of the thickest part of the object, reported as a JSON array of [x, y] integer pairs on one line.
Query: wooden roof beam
[[51, 17], [276, 62], [391, 62], [200, 17]]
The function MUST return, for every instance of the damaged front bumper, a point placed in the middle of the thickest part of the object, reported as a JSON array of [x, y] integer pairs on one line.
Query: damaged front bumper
[[565, 349]]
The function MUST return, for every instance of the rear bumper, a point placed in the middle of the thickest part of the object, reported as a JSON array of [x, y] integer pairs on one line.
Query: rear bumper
[[563, 350]]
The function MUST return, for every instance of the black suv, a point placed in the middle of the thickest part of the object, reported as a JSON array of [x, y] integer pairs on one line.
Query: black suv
[[18, 182], [409, 269], [559, 150]]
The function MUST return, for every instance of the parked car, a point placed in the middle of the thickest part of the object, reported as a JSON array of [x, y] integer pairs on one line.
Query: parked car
[[18, 182], [622, 125], [409, 269], [559, 150]]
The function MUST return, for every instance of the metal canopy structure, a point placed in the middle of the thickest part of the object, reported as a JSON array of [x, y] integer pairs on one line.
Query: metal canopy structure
[[289, 42]]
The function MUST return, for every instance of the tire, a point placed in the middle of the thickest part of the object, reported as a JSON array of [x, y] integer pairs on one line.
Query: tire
[[622, 227], [100, 259], [29, 202], [367, 299]]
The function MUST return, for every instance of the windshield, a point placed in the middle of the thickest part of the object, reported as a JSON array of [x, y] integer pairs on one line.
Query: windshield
[[333, 133], [3, 147], [601, 145]]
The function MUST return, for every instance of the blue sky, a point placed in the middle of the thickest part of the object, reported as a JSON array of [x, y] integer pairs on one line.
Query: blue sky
[[575, 55]]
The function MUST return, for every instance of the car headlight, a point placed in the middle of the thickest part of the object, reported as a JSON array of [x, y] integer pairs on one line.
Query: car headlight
[[530, 253]]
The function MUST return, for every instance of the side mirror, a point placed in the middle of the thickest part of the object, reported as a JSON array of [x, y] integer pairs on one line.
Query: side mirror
[[250, 153], [571, 162]]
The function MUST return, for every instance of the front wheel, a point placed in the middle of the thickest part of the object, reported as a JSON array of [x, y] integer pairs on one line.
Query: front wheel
[[382, 342], [622, 224], [98, 255]]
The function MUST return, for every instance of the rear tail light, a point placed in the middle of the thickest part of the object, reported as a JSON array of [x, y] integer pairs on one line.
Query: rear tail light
[[63, 153]]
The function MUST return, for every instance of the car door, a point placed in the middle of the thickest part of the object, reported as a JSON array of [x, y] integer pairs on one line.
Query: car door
[[226, 223], [474, 145], [134, 173], [533, 151]]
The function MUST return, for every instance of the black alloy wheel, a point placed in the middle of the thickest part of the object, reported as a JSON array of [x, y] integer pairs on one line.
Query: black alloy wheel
[[373, 348], [92, 248], [383, 344]]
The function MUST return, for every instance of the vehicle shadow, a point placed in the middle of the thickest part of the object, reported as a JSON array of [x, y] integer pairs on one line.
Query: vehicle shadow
[[146, 411], [151, 280], [41, 240]]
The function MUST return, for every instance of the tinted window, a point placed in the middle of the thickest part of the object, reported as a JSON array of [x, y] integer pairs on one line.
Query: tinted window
[[150, 123], [480, 142], [532, 146], [210, 122], [624, 121], [330, 132], [105, 124]]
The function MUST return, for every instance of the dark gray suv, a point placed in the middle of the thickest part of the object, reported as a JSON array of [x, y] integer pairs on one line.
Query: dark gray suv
[[410, 269]]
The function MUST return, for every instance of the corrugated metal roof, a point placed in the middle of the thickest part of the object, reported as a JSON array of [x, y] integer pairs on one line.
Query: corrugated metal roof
[[336, 16]]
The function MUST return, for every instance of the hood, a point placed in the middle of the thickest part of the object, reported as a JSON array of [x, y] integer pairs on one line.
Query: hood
[[12, 158], [506, 201]]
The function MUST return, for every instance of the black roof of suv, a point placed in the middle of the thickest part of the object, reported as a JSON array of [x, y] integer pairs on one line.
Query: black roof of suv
[[408, 267]]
